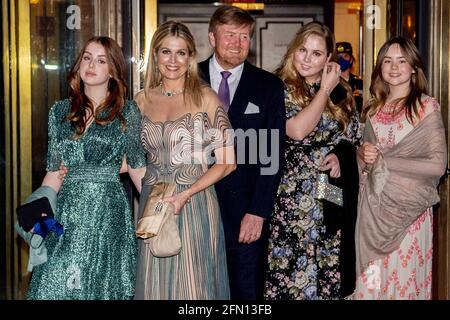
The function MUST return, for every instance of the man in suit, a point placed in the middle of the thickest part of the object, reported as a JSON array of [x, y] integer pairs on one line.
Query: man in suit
[[254, 100]]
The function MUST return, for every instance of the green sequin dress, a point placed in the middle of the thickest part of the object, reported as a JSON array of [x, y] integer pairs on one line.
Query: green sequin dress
[[95, 258]]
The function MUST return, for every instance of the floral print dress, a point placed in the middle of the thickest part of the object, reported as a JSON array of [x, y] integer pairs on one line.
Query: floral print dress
[[303, 257], [406, 273]]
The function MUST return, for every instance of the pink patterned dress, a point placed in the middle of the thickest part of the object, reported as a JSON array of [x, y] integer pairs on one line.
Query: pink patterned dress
[[407, 272]]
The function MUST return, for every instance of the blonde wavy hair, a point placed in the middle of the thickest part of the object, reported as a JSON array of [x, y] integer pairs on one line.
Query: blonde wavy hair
[[379, 89], [296, 84], [192, 84]]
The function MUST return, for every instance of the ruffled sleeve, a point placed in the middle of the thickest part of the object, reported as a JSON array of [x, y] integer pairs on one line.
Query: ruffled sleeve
[[221, 133]]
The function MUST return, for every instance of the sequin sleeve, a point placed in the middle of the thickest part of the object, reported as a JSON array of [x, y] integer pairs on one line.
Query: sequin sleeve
[[55, 117], [134, 151]]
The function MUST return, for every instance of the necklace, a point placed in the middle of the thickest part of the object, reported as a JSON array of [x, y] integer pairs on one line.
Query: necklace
[[170, 93]]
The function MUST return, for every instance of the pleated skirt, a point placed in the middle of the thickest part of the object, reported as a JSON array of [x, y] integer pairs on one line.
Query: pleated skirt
[[199, 271]]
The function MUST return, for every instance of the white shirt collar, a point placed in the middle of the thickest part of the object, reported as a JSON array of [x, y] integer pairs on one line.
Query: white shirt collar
[[218, 68], [215, 77]]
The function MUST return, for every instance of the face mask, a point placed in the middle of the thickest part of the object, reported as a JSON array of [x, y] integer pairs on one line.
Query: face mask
[[345, 64]]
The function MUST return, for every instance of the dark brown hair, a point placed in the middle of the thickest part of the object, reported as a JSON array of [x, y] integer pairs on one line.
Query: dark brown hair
[[117, 88], [379, 89]]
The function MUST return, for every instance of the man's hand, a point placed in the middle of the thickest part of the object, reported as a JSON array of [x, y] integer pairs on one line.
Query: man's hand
[[251, 227]]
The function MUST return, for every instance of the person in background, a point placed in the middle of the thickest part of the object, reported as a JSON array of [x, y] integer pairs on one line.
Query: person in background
[[311, 245], [403, 156], [94, 133], [253, 99], [346, 59]]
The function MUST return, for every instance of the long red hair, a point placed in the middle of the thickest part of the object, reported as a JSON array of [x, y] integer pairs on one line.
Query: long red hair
[[117, 88]]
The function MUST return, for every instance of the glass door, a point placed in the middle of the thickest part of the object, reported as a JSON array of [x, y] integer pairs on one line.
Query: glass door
[[41, 39]]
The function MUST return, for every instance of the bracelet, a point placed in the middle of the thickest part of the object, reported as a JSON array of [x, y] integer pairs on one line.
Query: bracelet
[[327, 91]]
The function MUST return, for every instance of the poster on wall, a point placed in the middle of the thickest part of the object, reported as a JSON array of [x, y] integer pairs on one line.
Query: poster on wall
[[273, 36], [200, 32], [199, 29]]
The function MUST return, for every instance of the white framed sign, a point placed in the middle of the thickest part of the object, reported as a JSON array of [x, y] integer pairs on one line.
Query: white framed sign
[[273, 36]]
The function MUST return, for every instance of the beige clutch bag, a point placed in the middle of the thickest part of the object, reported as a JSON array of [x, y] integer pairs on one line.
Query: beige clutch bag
[[158, 225]]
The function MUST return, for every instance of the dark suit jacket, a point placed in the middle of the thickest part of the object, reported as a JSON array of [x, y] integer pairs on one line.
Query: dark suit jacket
[[245, 190]]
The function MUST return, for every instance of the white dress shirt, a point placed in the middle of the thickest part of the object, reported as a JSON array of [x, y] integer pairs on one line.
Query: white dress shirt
[[214, 74]]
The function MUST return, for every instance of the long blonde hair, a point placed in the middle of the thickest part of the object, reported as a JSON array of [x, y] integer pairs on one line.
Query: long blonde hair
[[379, 89], [297, 85], [192, 83]]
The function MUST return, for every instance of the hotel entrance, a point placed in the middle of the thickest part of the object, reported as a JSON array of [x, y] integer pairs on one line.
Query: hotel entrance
[[40, 41], [41, 38]]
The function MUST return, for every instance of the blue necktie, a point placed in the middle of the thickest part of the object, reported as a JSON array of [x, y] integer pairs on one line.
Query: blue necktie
[[224, 90]]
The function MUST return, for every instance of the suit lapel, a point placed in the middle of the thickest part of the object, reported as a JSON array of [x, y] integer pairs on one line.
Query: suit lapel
[[240, 99], [204, 70]]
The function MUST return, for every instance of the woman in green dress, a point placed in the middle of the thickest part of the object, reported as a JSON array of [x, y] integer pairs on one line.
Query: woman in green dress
[[94, 133]]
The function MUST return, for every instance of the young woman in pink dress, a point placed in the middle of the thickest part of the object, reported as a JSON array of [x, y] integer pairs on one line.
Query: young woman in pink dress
[[401, 160]]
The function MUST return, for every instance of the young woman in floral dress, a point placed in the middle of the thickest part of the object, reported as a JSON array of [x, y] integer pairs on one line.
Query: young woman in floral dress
[[303, 252], [394, 237]]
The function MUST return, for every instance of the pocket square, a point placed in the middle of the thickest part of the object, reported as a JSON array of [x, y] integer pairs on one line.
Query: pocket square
[[251, 108]]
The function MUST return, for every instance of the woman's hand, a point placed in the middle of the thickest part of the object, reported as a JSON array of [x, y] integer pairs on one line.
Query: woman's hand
[[178, 200], [368, 153], [331, 162], [331, 76], [62, 171], [124, 166]]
